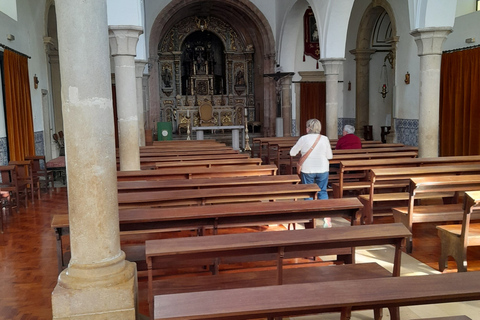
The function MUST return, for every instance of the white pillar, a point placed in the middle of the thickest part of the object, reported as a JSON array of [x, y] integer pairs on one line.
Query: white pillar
[[332, 69], [123, 43], [139, 67], [429, 42], [362, 85], [99, 282]]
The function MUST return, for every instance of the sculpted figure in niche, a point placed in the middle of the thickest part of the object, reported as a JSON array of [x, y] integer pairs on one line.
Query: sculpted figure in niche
[[167, 77], [239, 78]]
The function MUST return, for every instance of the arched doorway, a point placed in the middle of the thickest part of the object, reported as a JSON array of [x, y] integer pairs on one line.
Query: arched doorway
[[375, 54]]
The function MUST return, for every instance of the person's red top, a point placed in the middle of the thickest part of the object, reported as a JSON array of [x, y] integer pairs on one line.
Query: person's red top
[[349, 141]]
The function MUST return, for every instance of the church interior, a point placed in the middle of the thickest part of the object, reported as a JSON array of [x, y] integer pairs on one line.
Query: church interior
[[100, 95]]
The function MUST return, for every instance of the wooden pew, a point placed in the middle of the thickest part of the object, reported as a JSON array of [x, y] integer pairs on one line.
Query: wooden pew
[[154, 220], [181, 153], [309, 298], [405, 174], [183, 143], [275, 246], [366, 165], [220, 195], [204, 183], [152, 160], [279, 152], [434, 213], [207, 163], [455, 239], [195, 173], [360, 154]]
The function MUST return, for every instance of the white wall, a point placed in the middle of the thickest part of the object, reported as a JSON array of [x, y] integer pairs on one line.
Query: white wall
[[466, 26], [465, 7], [9, 7], [128, 13]]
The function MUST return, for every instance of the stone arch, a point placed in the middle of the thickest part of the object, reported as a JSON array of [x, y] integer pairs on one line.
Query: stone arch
[[363, 54], [253, 29]]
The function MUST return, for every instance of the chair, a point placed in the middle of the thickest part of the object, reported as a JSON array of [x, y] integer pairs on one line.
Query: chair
[[10, 184], [205, 111], [25, 175], [39, 168]]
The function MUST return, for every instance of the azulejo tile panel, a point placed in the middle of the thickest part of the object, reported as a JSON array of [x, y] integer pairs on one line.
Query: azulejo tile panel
[[39, 145], [407, 131], [3, 151]]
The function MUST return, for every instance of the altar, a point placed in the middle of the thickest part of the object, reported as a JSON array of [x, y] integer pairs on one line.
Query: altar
[[236, 130]]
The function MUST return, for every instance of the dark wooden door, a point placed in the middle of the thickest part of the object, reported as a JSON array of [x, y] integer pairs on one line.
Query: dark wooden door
[[312, 104]]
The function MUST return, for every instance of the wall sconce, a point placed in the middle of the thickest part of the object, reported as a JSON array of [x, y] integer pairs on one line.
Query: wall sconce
[[35, 81], [407, 78], [349, 86]]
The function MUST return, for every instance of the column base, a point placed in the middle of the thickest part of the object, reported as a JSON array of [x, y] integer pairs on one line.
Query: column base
[[97, 302]]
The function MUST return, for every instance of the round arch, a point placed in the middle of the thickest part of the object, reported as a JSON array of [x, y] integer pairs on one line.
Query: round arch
[[253, 29], [364, 52]]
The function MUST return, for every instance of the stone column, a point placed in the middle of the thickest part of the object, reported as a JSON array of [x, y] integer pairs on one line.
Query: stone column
[[139, 67], [332, 69], [98, 283], [429, 42], [362, 92], [123, 45], [287, 105]]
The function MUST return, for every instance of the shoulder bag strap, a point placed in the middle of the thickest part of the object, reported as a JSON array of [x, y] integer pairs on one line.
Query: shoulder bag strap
[[305, 156]]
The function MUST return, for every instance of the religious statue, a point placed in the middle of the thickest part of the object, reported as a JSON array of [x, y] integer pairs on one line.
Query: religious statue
[[167, 76]]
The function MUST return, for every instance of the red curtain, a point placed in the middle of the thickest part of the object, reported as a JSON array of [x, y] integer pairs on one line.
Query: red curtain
[[460, 103], [21, 141]]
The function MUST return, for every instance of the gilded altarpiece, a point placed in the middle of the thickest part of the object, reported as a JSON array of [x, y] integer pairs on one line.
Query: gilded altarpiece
[[203, 59]]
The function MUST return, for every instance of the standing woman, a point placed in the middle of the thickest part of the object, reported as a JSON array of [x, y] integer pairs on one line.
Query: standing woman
[[315, 167]]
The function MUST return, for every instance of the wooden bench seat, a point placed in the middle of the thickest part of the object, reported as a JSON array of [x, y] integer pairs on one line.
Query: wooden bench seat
[[194, 173], [421, 187], [303, 273], [363, 186], [455, 239], [276, 246], [388, 197], [207, 163], [310, 298], [204, 183], [145, 161], [403, 173], [429, 213], [364, 165], [221, 195]]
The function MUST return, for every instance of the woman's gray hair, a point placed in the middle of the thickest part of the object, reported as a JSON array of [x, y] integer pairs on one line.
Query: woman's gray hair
[[314, 126], [349, 129]]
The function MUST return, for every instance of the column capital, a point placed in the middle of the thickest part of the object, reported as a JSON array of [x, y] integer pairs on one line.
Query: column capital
[[140, 67], [430, 40], [332, 65], [123, 39]]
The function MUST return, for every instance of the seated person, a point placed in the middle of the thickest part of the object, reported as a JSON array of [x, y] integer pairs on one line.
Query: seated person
[[348, 140]]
